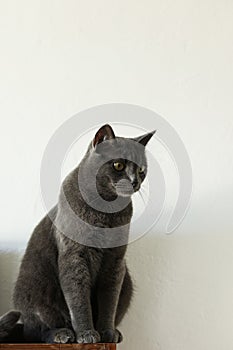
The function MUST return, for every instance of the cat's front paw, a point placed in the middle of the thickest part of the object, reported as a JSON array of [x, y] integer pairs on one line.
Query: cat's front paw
[[111, 336], [62, 336], [89, 336]]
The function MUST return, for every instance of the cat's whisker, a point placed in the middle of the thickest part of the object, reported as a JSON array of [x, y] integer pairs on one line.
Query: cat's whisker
[[140, 193], [144, 191]]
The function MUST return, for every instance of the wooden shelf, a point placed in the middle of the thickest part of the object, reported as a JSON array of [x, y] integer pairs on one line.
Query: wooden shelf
[[58, 346]]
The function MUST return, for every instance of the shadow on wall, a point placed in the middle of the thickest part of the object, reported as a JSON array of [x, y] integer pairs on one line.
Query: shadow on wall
[[9, 265]]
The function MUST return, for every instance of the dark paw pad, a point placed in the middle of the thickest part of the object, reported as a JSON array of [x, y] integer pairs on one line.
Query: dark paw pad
[[63, 336], [89, 336], [111, 336]]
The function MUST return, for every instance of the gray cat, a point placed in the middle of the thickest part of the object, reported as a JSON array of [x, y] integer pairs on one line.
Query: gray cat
[[73, 284]]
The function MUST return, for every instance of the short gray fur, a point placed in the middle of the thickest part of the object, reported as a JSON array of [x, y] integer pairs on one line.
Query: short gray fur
[[71, 292]]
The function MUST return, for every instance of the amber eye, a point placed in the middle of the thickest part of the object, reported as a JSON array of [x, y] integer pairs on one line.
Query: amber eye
[[141, 169], [118, 166]]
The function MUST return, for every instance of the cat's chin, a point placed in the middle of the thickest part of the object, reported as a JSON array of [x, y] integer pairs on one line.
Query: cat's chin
[[125, 194], [123, 188]]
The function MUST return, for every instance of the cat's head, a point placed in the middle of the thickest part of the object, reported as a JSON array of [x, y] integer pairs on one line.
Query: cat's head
[[121, 162]]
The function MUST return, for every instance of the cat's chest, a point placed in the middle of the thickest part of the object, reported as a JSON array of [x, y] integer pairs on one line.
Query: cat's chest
[[102, 261], [112, 219], [95, 259], [104, 219]]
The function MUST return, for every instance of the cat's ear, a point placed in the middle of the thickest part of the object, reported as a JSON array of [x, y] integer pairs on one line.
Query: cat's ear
[[144, 139], [104, 133]]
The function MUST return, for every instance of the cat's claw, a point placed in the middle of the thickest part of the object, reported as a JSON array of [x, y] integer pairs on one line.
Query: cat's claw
[[63, 336], [89, 336], [111, 336]]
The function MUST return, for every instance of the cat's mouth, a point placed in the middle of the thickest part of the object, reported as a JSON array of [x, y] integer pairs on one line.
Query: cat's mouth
[[124, 188]]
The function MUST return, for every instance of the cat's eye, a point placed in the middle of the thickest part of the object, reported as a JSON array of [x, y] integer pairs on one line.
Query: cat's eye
[[141, 169], [119, 166]]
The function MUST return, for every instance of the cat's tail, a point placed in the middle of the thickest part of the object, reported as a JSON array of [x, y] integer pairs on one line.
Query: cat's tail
[[9, 327]]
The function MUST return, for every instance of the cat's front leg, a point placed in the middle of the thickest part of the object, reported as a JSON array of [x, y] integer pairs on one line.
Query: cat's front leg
[[76, 285], [108, 296]]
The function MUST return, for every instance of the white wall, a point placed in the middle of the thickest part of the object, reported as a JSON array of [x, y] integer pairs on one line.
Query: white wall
[[175, 57]]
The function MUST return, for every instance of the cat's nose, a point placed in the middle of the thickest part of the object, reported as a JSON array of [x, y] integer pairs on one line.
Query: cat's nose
[[134, 184]]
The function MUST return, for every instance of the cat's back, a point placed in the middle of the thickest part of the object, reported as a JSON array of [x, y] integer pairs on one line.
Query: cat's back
[[42, 242], [39, 264]]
